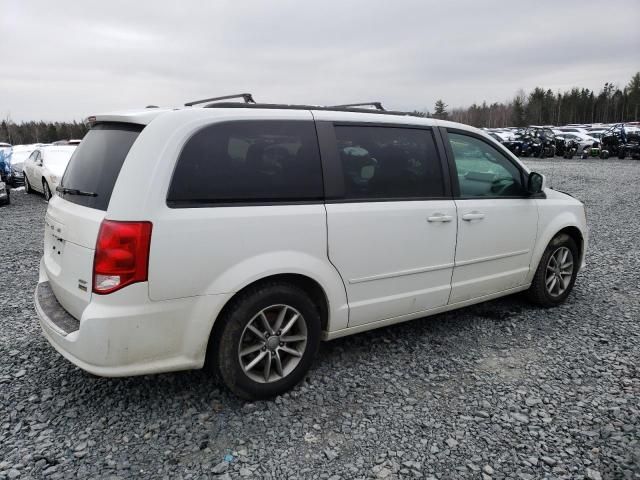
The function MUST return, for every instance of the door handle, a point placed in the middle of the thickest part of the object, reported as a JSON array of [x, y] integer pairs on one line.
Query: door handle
[[473, 216], [440, 217]]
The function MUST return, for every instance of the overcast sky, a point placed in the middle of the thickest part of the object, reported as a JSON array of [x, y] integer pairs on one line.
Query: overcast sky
[[62, 60]]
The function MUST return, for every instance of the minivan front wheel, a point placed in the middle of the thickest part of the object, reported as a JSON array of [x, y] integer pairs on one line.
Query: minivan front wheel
[[267, 340], [556, 273]]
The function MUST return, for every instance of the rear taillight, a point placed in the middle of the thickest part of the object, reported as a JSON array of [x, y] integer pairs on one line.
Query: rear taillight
[[122, 255]]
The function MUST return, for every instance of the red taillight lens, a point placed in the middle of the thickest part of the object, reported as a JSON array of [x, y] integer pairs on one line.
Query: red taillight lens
[[122, 255]]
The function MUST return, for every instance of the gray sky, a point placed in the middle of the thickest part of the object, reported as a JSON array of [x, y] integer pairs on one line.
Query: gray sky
[[69, 59]]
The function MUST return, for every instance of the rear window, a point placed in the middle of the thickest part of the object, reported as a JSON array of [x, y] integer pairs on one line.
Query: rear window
[[248, 162], [97, 161]]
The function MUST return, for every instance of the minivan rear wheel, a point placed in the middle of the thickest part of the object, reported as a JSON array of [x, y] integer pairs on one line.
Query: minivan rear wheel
[[267, 340], [556, 273]]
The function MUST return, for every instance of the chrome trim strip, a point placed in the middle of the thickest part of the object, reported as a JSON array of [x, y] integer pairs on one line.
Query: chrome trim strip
[[492, 257], [414, 271], [401, 273]]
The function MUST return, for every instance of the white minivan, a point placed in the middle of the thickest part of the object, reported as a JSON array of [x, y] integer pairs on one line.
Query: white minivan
[[238, 236]]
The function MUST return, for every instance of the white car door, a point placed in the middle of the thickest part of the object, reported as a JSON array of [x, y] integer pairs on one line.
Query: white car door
[[38, 171], [391, 221], [29, 165], [497, 219]]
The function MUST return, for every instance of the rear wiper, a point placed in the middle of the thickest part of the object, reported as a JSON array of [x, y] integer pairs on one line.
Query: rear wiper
[[75, 191]]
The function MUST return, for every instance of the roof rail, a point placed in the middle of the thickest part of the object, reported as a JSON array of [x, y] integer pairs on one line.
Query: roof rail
[[276, 106], [245, 96], [377, 105]]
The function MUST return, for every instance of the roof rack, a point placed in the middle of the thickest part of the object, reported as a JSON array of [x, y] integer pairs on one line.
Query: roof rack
[[277, 106], [247, 97], [376, 105]]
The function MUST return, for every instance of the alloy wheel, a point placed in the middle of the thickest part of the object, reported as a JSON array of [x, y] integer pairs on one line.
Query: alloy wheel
[[559, 271], [273, 343]]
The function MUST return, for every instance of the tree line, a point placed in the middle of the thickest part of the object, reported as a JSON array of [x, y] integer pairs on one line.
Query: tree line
[[40, 132], [540, 107], [544, 107]]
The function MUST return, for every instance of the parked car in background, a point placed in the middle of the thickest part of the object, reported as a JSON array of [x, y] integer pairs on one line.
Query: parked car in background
[[620, 141], [19, 154], [5, 153], [44, 168], [67, 142], [496, 136], [581, 140], [572, 129], [597, 134], [534, 141], [238, 236], [5, 195]]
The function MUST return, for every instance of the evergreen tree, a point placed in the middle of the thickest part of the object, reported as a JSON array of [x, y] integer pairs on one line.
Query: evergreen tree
[[633, 98], [518, 118], [440, 110]]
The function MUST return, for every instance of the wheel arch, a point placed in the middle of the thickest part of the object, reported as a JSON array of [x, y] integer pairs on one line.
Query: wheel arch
[[568, 222], [311, 286], [576, 235]]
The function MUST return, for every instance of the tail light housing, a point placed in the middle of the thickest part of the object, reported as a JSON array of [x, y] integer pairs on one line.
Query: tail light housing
[[121, 256]]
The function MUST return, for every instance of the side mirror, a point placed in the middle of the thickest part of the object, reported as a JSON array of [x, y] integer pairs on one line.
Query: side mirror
[[535, 183]]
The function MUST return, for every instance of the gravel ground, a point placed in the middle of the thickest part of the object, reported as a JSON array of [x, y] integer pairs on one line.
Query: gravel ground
[[500, 390]]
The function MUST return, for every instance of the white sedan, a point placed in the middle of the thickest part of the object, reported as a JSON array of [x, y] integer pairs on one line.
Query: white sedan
[[44, 168]]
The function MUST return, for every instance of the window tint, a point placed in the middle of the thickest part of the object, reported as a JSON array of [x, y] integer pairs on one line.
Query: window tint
[[96, 163], [249, 161], [389, 162], [483, 171]]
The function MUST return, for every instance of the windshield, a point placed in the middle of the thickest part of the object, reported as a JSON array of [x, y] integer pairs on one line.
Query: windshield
[[97, 162], [18, 157]]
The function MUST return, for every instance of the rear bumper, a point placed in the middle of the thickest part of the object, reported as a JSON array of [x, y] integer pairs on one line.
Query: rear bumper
[[126, 334]]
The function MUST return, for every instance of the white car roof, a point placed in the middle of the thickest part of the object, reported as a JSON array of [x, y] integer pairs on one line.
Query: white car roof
[[58, 148], [144, 116], [24, 148]]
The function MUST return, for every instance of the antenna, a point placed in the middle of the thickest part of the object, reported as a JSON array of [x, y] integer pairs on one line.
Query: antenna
[[247, 97]]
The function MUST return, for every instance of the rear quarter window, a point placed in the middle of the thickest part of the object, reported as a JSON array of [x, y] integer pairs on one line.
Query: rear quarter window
[[96, 163]]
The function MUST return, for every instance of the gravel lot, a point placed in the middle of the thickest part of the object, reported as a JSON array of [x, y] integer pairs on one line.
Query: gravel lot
[[500, 390]]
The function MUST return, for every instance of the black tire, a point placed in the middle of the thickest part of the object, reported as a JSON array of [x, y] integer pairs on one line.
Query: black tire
[[622, 154], [604, 154], [27, 185], [46, 191], [224, 348], [537, 292]]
